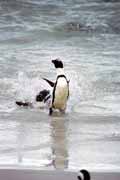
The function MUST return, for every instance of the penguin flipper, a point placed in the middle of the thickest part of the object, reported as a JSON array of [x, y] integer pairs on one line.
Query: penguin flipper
[[49, 82], [20, 103]]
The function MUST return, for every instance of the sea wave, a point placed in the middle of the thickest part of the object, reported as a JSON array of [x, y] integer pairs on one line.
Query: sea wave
[[101, 16]]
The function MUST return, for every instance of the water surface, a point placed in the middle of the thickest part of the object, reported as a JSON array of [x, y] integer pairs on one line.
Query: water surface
[[85, 35]]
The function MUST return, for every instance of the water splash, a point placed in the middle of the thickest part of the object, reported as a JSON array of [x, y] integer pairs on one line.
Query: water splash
[[29, 87]]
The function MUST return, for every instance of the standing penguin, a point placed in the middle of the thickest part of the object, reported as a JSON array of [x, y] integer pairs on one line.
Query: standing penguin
[[60, 92]]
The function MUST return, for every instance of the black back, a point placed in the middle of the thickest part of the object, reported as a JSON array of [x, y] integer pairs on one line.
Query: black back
[[42, 95]]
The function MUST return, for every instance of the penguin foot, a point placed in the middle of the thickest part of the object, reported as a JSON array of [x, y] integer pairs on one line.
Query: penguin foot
[[50, 111]]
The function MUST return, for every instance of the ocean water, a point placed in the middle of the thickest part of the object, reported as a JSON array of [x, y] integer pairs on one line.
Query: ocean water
[[85, 34]]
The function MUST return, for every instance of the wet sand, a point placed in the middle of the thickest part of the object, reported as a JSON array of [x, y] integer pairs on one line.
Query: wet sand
[[23, 174], [71, 141]]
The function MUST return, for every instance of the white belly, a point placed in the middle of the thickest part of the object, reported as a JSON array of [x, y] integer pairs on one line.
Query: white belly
[[61, 94]]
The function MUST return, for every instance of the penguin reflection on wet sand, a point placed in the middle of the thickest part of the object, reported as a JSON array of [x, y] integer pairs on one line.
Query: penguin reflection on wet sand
[[60, 92]]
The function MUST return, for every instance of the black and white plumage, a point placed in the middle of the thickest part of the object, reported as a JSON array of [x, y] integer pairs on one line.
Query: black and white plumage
[[83, 175], [60, 92], [43, 96]]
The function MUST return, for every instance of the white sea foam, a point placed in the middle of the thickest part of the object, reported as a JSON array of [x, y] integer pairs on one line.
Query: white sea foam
[[28, 87]]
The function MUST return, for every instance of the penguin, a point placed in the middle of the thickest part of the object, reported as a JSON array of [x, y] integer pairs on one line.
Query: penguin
[[60, 92], [83, 175], [43, 96]]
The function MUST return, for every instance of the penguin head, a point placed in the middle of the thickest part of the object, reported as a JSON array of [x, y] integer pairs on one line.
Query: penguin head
[[57, 63], [83, 175], [42, 95]]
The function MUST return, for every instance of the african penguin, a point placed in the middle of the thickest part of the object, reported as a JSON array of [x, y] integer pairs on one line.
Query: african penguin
[[83, 175], [43, 96], [60, 92]]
